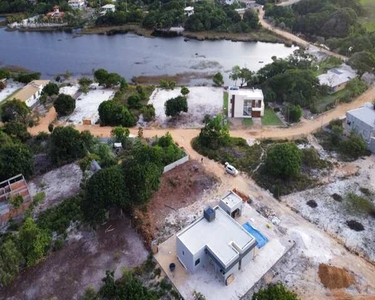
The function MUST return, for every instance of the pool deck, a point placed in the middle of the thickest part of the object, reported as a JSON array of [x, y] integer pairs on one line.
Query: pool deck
[[207, 282]]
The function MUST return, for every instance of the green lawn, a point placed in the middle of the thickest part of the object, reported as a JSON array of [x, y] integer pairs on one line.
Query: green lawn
[[270, 117], [368, 21], [225, 104], [329, 99], [247, 122]]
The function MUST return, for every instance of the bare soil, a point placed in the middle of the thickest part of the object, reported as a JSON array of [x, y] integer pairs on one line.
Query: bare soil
[[81, 263], [335, 278], [179, 188]]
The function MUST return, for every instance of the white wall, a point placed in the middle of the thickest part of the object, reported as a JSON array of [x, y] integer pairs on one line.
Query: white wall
[[176, 163], [358, 126], [185, 256]]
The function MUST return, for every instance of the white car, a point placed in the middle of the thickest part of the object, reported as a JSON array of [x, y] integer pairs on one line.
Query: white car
[[230, 169]]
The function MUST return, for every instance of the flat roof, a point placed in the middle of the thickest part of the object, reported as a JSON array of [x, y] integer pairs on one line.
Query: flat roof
[[218, 235], [30, 89], [365, 113], [253, 93], [231, 199], [109, 6]]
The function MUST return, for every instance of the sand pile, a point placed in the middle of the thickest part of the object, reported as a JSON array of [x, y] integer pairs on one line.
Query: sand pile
[[335, 278]]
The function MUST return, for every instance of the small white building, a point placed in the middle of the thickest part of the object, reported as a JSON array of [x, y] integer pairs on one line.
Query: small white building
[[216, 240], [232, 204], [362, 121], [31, 93], [76, 4], [107, 8], [189, 11], [337, 78], [245, 103]]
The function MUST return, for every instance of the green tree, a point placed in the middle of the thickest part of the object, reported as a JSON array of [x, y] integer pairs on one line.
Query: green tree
[[17, 130], [293, 113], [64, 105], [15, 110], [120, 135], [84, 81], [68, 144], [105, 189], [235, 74], [283, 160], [33, 242], [5, 140], [214, 134], [112, 113], [363, 62], [27, 77], [134, 101], [218, 79], [141, 178], [275, 292], [148, 112], [15, 159], [184, 91], [174, 106], [101, 76], [50, 89], [336, 134], [354, 147], [10, 261]]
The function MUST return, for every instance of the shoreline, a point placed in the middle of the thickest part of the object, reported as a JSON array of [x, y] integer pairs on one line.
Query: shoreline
[[261, 35]]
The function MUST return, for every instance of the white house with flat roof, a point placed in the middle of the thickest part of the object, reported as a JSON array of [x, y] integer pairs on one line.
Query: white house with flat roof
[[107, 8], [362, 121], [245, 103], [215, 239], [337, 78], [189, 11]]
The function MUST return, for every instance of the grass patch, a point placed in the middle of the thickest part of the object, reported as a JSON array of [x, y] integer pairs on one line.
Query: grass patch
[[226, 103], [357, 205], [247, 122], [270, 118], [327, 64], [329, 101], [368, 21]]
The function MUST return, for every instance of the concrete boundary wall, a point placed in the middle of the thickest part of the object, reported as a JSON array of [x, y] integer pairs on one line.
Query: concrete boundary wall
[[176, 163]]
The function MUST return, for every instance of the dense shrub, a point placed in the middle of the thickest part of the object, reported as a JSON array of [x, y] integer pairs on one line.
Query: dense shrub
[[64, 105], [112, 113]]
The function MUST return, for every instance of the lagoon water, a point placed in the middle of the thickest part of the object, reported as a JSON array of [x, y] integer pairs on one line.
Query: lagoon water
[[131, 55]]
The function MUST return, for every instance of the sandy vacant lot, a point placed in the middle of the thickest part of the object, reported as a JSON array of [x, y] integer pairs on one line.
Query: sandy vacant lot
[[201, 101], [87, 105], [332, 215], [67, 273]]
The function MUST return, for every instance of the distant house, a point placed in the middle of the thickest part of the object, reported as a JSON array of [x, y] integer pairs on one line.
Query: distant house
[[31, 93], [229, 2], [10, 188], [362, 121], [217, 239], [56, 13], [76, 4], [107, 8], [245, 103], [189, 11], [337, 78]]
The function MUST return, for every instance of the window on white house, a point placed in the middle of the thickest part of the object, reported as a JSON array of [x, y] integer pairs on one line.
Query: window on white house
[[197, 261], [247, 107]]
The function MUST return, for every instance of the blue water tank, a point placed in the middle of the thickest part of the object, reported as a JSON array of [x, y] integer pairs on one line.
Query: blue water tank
[[209, 214]]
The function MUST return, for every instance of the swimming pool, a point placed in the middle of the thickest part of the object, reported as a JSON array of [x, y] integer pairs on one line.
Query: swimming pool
[[261, 239]]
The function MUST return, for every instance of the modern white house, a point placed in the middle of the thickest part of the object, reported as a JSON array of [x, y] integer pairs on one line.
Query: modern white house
[[189, 11], [337, 78], [76, 4], [245, 103], [362, 121], [31, 93], [216, 240], [107, 8]]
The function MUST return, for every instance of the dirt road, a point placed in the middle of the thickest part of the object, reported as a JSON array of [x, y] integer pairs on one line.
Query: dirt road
[[293, 37], [304, 128]]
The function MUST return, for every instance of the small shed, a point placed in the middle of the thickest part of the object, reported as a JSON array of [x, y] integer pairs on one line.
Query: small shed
[[232, 204]]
